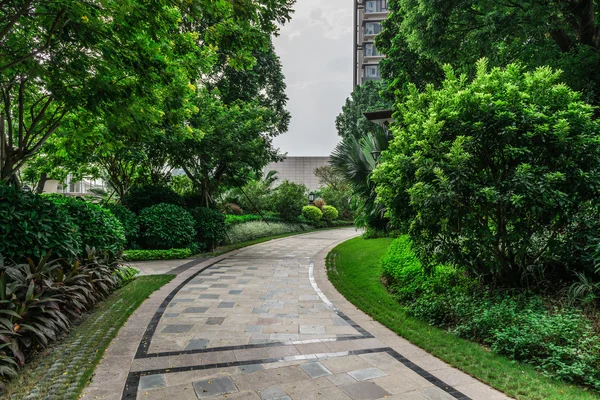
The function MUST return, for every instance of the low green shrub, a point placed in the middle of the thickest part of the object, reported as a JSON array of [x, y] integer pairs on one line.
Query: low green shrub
[[559, 341], [330, 213], [166, 226], [312, 213], [340, 199], [140, 197], [258, 229], [98, 227], [288, 199], [209, 225], [31, 226], [231, 219], [131, 225], [147, 255]]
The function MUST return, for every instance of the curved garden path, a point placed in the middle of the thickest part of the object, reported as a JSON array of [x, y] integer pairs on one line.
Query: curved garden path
[[264, 322]]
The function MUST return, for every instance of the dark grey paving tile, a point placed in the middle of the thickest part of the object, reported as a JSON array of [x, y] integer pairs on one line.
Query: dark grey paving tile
[[315, 369], [272, 393], [364, 391], [215, 320], [254, 328], [209, 296], [197, 344], [171, 315], [226, 277], [248, 369], [260, 310], [368, 373], [243, 281], [177, 328], [226, 304], [195, 310], [219, 285], [237, 291], [252, 268], [214, 387], [151, 382]]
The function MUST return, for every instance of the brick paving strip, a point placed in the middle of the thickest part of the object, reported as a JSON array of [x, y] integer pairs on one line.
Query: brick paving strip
[[264, 323]]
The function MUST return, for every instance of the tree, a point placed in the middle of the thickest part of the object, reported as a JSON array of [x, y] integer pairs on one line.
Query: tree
[[351, 122], [499, 174], [420, 36], [328, 176]]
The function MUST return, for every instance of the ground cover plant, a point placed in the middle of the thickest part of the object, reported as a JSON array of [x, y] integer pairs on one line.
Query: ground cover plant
[[354, 269], [64, 369], [147, 255], [258, 229]]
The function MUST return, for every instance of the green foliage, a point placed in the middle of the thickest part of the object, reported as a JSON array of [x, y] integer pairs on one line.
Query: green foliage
[[257, 229], [498, 174], [126, 275], [232, 208], [146, 255], [288, 199], [166, 226], [98, 227], [32, 226], [128, 219], [312, 213], [339, 198], [559, 341], [209, 225], [330, 213], [140, 197], [231, 219]]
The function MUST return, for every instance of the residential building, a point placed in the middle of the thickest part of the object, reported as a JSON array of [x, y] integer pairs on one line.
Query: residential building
[[368, 15], [298, 170]]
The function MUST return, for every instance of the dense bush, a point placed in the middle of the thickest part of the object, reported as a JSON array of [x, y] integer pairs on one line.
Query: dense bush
[[145, 255], [166, 226], [288, 199], [253, 197], [39, 301], [140, 197], [312, 213], [330, 213], [232, 208], [258, 229], [498, 174], [340, 199], [559, 341], [209, 226], [98, 227], [32, 226], [131, 226]]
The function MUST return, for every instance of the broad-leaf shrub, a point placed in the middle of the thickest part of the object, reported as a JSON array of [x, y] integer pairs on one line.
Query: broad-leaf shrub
[[559, 341], [499, 174], [31, 226], [145, 255], [166, 226], [131, 226], [340, 198], [330, 213], [312, 213], [98, 227], [140, 197], [209, 225], [288, 199]]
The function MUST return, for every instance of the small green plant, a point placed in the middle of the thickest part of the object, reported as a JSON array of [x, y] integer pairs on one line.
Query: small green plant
[[166, 226], [330, 213], [147, 255], [312, 213], [231, 219], [31, 226]]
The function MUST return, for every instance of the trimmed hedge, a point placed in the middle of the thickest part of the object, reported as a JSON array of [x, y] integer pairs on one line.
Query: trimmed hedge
[[131, 225], [312, 214], [98, 227], [330, 213], [31, 226], [166, 226], [146, 255]]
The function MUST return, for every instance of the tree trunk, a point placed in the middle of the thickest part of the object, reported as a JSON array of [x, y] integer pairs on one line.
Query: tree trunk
[[39, 189]]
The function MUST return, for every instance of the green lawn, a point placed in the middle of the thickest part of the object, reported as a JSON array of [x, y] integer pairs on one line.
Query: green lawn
[[352, 268], [62, 371]]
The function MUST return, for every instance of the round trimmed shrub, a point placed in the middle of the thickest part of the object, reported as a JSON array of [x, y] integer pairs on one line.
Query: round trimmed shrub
[[131, 225], [330, 213], [31, 226], [141, 197], [312, 213], [98, 227], [166, 226], [210, 226], [288, 200]]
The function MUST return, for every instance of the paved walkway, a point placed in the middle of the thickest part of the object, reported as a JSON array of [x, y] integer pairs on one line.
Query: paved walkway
[[264, 323]]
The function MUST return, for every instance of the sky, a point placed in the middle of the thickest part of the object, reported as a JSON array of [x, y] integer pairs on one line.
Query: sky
[[315, 49]]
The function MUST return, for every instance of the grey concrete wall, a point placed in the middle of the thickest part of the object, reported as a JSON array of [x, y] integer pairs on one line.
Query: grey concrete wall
[[298, 170]]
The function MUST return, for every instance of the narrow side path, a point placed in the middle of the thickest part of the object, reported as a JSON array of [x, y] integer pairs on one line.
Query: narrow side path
[[264, 323]]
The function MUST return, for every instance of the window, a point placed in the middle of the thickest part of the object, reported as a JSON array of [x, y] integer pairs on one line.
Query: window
[[371, 50], [371, 71], [374, 6], [372, 28]]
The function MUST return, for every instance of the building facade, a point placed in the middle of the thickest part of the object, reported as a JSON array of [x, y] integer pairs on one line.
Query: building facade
[[368, 15], [298, 170]]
